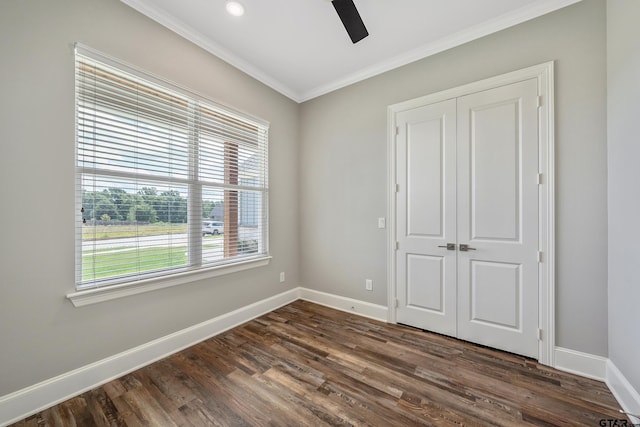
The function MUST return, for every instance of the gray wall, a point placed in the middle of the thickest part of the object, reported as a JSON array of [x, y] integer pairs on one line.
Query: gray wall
[[623, 72], [42, 334], [343, 161]]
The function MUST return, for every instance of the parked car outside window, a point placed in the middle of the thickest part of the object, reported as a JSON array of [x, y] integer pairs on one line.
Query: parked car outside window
[[212, 227]]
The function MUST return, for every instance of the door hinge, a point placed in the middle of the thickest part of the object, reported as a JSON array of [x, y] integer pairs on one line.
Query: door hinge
[[397, 188], [539, 178], [539, 334], [539, 256], [539, 101], [397, 303], [397, 130], [397, 245]]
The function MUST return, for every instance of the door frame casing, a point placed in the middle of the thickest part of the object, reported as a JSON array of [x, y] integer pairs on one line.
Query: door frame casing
[[543, 73]]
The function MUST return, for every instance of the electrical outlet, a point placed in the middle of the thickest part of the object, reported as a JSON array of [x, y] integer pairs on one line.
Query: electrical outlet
[[368, 284], [382, 222], [282, 277]]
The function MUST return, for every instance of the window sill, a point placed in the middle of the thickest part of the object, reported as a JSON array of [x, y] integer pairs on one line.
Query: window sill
[[97, 295]]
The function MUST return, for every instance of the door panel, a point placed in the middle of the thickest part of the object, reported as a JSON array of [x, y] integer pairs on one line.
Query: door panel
[[497, 215], [425, 274], [495, 175], [424, 178], [494, 285], [426, 163]]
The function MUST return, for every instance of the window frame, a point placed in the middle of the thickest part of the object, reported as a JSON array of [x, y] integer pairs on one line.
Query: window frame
[[123, 285]]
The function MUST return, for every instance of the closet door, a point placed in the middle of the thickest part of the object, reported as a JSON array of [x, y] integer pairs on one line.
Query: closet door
[[426, 217], [497, 217]]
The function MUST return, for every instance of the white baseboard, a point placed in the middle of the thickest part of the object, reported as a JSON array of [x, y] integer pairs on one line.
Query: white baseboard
[[602, 369], [350, 305], [583, 364], [32, 399], [627, 396], [28, 401]]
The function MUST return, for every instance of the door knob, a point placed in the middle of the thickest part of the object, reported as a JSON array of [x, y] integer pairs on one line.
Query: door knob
[[449, 246], [465, 248]]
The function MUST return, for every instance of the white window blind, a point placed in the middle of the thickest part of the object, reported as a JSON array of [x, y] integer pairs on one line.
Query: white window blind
[[157, 167]]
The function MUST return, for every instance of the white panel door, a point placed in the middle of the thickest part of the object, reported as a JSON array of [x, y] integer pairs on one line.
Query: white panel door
[[467, 174], [497, 217], [426, 217]]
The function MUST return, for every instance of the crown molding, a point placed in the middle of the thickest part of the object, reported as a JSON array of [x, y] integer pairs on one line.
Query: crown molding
[[499, 23], [486, 28], [197, 38]]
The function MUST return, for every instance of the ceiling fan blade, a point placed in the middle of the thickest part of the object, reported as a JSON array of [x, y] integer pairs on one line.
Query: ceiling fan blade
[[350, 19]]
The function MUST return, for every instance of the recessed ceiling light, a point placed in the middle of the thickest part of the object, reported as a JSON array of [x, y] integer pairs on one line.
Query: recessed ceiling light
[[234, 8]]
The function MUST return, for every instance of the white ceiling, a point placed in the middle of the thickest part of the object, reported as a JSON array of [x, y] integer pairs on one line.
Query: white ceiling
[[301, 49]]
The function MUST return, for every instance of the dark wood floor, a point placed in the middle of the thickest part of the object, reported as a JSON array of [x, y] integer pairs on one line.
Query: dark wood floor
[[306, 364]]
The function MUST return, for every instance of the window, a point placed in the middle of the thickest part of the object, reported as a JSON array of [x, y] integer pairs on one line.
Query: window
[[167, 181]]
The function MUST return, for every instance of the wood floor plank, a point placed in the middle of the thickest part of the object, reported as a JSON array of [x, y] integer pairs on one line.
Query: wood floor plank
[[309, 365]]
